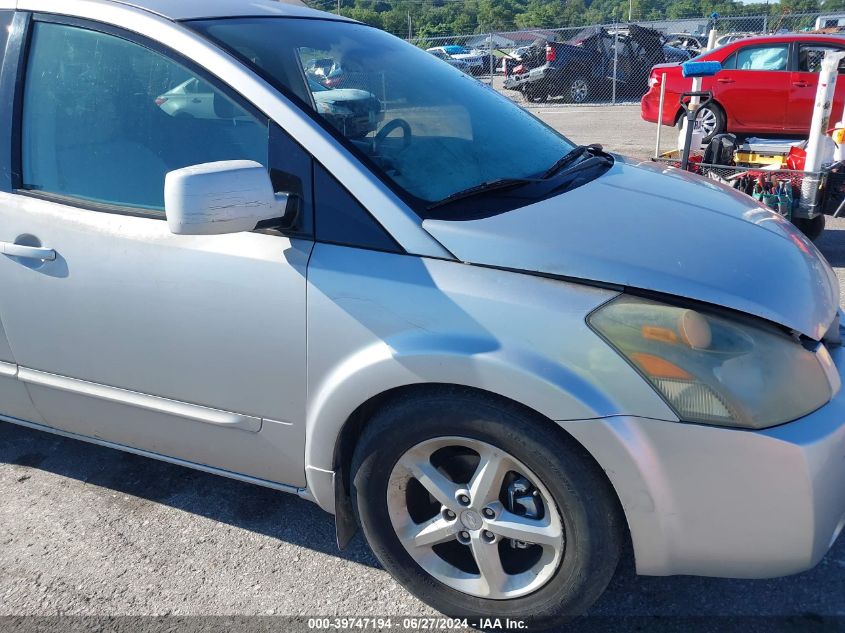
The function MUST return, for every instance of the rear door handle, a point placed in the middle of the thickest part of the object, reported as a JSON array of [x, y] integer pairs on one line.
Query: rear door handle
[[800, 84], [725, 80], [27, 252]]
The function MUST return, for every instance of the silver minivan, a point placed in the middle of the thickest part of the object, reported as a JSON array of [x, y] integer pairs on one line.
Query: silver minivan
[[506, 357]]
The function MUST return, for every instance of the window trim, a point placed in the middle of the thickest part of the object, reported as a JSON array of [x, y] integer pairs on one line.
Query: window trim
[[23, 38], [11, 98]]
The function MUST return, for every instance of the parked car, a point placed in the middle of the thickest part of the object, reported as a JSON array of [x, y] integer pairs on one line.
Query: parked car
[[583, 69], [354, 112], [507, 371], [518, 52], [728, 38], [477, 61], [767, 86], [688, 42], [191, 98], [457, 63]]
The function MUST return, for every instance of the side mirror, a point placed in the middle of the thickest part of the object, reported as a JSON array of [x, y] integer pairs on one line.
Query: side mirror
[[224, 197]]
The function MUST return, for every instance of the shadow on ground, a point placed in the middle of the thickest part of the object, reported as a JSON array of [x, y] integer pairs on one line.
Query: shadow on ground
[[631, 603], [262, 510]]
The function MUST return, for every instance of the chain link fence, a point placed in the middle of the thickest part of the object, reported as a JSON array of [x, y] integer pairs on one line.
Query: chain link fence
[[600, 64]]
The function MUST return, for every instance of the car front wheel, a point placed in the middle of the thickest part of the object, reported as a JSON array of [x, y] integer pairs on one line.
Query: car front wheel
[[480, 510]]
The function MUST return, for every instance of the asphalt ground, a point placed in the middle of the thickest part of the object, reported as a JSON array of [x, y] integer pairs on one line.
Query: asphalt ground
[[618, 128], [90, 531]]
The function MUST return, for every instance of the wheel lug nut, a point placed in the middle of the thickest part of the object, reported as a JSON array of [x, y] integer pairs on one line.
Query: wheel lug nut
[[463, 499], [463, 537], [489, 536], [488, 513], [449, 515]]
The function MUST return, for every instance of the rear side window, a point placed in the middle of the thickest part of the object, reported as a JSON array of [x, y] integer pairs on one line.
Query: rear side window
[[105, 119], [760, 58]]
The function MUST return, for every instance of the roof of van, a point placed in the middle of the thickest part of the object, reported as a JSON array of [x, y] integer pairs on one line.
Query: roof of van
[[199, 9]]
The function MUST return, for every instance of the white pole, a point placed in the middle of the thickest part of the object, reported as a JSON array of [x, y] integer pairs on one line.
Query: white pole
[[696, 87], [696, 81], [839, 152], [660, 114], [711, 39], [818, 130]]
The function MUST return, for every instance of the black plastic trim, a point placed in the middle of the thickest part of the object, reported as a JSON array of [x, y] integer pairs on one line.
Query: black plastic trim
[[11, 99]]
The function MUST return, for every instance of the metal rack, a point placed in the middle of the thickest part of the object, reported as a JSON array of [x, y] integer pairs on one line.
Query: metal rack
[[808, 188]]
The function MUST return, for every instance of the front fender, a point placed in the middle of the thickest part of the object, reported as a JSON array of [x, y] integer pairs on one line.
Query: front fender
[[522, 376], [378, 321]]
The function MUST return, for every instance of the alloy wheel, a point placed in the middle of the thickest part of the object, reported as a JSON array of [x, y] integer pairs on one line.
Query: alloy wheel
[[578, 90], [707, 121], [475, 518]]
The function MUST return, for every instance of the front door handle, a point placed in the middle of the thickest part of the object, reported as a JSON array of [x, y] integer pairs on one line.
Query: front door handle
[[800, 84], [725, 80], [27, 252]]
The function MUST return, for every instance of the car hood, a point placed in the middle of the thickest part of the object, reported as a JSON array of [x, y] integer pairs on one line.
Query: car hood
[[646, 226]]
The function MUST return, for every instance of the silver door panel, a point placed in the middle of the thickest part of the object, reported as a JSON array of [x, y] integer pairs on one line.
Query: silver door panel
[[214, 321]]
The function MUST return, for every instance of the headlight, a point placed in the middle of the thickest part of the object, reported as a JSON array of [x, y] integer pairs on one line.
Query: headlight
[[332, 107], [716, 370]]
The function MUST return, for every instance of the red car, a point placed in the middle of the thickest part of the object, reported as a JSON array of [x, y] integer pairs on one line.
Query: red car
[[767, 85]]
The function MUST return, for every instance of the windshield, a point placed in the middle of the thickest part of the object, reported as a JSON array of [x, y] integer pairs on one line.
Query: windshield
[[423, 125]]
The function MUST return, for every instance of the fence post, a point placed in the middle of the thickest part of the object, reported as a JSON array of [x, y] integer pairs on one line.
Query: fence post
[[615, 62], [765, 24], [490, 53]]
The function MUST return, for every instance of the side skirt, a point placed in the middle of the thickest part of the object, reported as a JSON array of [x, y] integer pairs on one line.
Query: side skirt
[[302, 492]]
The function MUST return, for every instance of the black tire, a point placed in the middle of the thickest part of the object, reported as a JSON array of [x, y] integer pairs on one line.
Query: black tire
[[538, 93], [591, 516], [714, 113], [577, 88], [811, 228]]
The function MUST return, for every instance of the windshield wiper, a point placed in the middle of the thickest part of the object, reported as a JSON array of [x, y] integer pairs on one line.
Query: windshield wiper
[[484, 187], [572, 156]]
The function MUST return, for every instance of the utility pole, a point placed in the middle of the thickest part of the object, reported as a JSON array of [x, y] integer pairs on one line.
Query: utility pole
[[410, 35], [338, 7], [630, 9]]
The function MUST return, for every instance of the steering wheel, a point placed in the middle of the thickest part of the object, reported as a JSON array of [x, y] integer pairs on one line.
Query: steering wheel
[[407, 135]]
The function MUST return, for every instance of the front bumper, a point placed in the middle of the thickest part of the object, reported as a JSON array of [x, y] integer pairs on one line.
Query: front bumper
[[723, 502]]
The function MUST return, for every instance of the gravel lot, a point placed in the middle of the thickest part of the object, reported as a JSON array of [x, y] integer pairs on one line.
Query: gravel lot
[[618, 128], [91, 531]]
